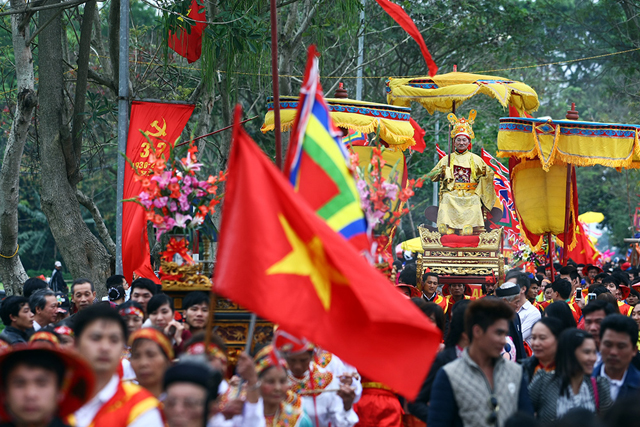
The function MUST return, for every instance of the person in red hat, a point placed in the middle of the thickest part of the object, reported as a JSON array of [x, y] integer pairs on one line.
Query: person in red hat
[[589, 272], [41, 386], [620, 291], [453, 293], [407, 281]]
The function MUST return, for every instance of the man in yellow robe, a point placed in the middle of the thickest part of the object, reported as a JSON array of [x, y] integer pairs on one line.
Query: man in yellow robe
[[466, 183]]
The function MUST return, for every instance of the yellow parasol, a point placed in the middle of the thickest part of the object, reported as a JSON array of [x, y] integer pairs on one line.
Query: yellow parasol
[[360, 116], [591, 217], [443, 92], [413, 245], [570, 141]]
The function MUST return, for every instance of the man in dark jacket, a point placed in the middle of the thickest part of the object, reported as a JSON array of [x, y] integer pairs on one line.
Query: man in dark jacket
[[618, 346], [57, 283], [510, 293], [17, 318]]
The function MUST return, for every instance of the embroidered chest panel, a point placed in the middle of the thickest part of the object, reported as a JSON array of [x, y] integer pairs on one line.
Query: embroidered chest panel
[[461, 174]]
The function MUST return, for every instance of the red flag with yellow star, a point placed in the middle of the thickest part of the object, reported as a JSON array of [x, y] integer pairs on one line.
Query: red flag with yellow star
[[279, 259]]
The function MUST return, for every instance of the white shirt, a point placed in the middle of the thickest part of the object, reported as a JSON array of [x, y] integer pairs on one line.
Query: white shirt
[[328, 407], [252, 416], [614, 385], [85, 415], [338, 367], [529, 315], [36, 326]]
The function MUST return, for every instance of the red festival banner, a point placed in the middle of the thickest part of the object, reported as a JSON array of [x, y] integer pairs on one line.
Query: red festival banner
[[162, 123], [188, 44]]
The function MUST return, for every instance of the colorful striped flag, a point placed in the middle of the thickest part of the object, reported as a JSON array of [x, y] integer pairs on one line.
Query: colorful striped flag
[[441, 153], [502, 186], [317, 163], [355, 138]]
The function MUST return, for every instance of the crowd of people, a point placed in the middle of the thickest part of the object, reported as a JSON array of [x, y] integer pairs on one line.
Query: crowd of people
[[534, 350]]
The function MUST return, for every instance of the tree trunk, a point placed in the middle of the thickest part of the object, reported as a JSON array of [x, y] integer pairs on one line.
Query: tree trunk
[[83, 253], [12, 272]]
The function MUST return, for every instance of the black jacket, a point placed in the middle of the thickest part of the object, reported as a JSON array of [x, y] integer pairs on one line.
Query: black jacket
[[515, 332], [420, 408], [58, 284], [14, 335]]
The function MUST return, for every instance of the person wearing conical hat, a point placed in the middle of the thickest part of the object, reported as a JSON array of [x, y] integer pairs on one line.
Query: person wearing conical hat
[[466, 183]]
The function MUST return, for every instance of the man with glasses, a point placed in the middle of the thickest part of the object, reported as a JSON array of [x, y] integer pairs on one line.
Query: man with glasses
[[480, 388]]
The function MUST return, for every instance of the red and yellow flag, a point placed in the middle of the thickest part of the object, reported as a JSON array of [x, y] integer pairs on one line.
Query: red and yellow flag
[[163, 124], [277, 258], [188, 44]]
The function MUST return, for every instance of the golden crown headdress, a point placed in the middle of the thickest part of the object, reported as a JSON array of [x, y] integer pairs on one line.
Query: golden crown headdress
[[462, 126]]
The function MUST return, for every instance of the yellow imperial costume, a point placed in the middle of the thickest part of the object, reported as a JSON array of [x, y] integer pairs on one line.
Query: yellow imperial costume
[[466, 184]]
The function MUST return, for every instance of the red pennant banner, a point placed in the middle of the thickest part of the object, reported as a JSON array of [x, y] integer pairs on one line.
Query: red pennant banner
[[189, 44], [404, 20], [162, 123]]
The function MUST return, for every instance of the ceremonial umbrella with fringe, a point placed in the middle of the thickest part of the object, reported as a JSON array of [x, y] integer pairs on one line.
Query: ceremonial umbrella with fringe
[[543, 155], [444, 92], [359, 116]]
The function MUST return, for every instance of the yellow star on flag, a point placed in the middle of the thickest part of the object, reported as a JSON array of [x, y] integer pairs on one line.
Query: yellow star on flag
[[308, 259]]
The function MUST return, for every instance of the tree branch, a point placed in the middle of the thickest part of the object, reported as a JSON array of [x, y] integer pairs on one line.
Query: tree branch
[[305, 24], [64, 5], [96, 77], [88, 203], [84, 50]]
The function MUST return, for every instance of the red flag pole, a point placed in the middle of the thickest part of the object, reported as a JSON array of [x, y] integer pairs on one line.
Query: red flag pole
[[551, 249], [571, 115], [276, 86]]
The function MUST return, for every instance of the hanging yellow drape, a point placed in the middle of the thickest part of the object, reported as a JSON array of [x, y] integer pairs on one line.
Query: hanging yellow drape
[[578, 143]]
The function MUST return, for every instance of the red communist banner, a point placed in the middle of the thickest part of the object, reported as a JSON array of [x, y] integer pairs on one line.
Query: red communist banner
[[189, 44], [162, 123]]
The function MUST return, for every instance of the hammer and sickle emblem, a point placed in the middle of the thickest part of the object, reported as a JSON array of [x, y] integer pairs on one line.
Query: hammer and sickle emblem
[[161, 131]]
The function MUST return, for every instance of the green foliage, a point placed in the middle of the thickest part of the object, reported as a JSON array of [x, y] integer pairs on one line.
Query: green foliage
[[494, 37]]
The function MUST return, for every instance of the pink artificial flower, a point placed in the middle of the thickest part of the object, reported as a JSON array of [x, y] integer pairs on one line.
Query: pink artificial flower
[[190, 165], [390, 189], [160, 202], [181, 220], [163, 179], [173, 206], [170, 222], [145, 200], [184, 202]]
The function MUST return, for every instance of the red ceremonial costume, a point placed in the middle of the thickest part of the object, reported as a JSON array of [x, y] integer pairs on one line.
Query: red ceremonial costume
[[128, 403], [378, 406]]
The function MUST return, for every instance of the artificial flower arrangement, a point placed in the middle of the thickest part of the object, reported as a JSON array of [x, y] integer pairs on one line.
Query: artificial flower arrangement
[[177, 202], [522, 253], [383, 202]]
